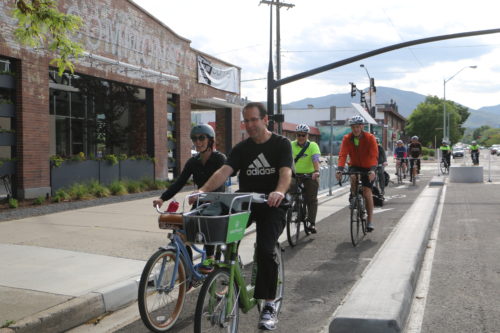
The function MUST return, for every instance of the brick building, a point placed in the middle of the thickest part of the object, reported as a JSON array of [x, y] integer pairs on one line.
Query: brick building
[[132, 93]]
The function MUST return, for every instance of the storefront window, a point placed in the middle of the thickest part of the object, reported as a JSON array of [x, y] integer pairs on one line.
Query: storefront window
[[97, 117]]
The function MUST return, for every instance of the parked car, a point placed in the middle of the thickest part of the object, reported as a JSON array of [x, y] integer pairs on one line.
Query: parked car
[[458, 152], [494, 149]]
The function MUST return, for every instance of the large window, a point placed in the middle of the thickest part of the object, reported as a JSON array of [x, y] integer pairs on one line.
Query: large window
[[96, 117]]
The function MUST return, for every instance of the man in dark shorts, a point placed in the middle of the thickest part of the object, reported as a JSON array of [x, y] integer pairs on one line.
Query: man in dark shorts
[[362, 149], [264, 162]]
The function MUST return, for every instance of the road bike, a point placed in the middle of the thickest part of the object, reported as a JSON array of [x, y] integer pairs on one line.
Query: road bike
[[399, 169], [167, 276], [414, 170], [475, 157], [297, 212], [357, 207], [444, 166], [225, 290]]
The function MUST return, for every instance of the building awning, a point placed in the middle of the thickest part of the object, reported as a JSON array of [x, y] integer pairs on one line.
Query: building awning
[[214, 102], [362, 112]]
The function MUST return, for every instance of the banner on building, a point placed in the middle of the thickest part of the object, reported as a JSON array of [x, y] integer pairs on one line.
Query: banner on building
[[223, 78]]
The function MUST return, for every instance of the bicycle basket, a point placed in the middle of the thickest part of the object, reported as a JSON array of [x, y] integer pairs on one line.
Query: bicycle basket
[[215, 229]]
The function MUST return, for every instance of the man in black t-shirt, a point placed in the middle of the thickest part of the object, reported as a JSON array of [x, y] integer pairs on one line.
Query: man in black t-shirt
[[264, 162], [415, 151]]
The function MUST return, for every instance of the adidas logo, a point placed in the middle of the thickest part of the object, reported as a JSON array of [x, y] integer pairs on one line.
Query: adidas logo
[[260, 166]]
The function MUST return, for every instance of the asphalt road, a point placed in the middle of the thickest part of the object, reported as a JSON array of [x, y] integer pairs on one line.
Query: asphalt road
[[321, 270]]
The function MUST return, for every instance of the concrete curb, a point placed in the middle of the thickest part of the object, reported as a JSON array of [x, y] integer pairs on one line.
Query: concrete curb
[[381, 300]]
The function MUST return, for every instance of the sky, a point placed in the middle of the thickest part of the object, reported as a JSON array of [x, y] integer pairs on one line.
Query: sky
[[315, 33]]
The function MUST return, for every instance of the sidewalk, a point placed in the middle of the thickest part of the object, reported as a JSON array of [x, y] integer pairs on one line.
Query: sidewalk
[[61, 270]]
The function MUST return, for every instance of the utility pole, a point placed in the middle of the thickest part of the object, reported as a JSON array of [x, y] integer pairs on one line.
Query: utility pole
[[279, 111]]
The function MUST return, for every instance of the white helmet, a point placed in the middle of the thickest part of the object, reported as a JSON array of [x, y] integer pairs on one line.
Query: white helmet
[[474, 142], [302, 128], [414, 137], [356, 120], [399, 142]]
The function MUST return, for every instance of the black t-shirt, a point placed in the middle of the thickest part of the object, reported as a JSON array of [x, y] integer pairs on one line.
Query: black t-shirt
[[415, 149], [201, 173], [259, 164]]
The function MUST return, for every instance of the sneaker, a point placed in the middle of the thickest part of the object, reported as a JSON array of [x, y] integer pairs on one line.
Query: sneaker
[[312, 229], [268, 318], [206, 267], [370, 227]]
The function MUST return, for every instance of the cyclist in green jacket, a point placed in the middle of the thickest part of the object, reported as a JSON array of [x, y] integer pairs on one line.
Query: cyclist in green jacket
[[445, 152], [474, 152], [307, 164]]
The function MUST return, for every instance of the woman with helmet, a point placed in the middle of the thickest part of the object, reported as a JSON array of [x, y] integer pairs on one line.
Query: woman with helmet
[[415, 152], [400, 154], [201, 166], [306, 156], [361, 147]]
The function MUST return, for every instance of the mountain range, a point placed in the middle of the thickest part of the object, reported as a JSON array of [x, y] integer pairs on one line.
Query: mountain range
[[406, 101]]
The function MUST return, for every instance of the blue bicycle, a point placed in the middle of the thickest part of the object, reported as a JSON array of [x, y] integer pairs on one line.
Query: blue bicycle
[[167, 276]]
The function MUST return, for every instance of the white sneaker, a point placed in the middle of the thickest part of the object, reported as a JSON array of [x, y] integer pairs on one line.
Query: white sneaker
[[268, 318]]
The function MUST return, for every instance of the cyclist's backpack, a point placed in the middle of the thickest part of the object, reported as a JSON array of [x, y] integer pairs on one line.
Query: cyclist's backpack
[[386, 178], [378, 198]]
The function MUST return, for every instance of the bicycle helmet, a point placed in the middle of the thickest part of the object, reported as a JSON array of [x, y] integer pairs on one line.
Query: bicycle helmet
[[414, 137], [399, 142], [203, 129], [474, 142], [302, 128], [356, 120]]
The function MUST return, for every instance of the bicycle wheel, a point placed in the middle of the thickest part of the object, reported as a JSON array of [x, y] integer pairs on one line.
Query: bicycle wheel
[[160, 304], [443, 168], [362, 213], [414, 174], [355, 222], [293, 222], [211, 314], [400, 174]]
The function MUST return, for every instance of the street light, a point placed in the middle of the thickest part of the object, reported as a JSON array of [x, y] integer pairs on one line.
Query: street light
[[446, 127]]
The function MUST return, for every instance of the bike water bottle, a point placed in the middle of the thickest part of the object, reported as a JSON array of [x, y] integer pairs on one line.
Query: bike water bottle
[[172, 206]]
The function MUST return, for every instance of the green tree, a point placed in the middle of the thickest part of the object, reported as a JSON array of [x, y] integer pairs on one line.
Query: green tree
[[41, 24], [428, 116], [490, 137], [478, 132]]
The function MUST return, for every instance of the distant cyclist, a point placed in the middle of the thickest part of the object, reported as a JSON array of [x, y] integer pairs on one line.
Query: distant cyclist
[[474, 152], [306, 155], [201, 166], [400, 154], [415, 151], [361, 147], [445, 152]]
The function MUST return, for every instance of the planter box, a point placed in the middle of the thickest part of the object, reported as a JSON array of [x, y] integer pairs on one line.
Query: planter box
[[73, 172], [108, 173], [7, 139], [137, 170], [7, 110], [7, 81], [8, 168]]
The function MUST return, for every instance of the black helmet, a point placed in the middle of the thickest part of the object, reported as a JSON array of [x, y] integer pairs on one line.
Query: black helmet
[[203, 129]]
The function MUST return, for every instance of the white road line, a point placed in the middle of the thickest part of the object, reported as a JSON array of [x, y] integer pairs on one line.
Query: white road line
[[381, 210], [416, 317]]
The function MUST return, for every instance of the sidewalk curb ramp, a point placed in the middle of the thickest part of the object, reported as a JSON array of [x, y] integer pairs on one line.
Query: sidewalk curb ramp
[[381, 300]]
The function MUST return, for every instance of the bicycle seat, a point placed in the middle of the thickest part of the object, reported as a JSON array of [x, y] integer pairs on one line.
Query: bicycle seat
[[170, 221]]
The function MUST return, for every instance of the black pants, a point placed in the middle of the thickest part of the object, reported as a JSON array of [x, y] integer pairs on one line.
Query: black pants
[[270, 224], [311, 197]]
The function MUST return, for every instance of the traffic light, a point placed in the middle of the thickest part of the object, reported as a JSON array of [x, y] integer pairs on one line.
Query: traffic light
[[362, 99], [353, 89]]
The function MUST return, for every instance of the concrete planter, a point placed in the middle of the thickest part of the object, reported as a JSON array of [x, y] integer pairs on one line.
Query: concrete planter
[[137, 169], [8, 168], [7, 110], [108, 172], [7, 139], [71, 172], [7, 81]]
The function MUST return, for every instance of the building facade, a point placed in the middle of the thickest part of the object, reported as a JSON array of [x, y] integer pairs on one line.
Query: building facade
[[131, 94]]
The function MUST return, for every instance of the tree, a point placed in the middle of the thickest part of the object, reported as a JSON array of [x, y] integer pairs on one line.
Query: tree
[[478, 132], [41, 24], [425, 120]]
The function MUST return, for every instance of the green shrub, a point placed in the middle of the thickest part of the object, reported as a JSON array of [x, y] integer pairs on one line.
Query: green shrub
[[98, 190], [428, 151], [61, 195], [13, 203], [79, 191], [133, 186], [118, 188], [112, 159], [425, 158], [38, 201]]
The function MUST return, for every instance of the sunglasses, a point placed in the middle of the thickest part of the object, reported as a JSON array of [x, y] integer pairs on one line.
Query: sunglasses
[[301, 135], [199, 138]]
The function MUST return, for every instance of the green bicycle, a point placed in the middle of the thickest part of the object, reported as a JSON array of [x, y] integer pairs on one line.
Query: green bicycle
[[226, 291]]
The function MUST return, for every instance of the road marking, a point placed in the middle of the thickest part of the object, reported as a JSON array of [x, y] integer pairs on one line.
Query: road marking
[[381, 210], [396, 196]]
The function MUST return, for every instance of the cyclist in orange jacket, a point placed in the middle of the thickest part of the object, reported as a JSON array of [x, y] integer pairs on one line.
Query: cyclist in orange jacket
[[362, 149]]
